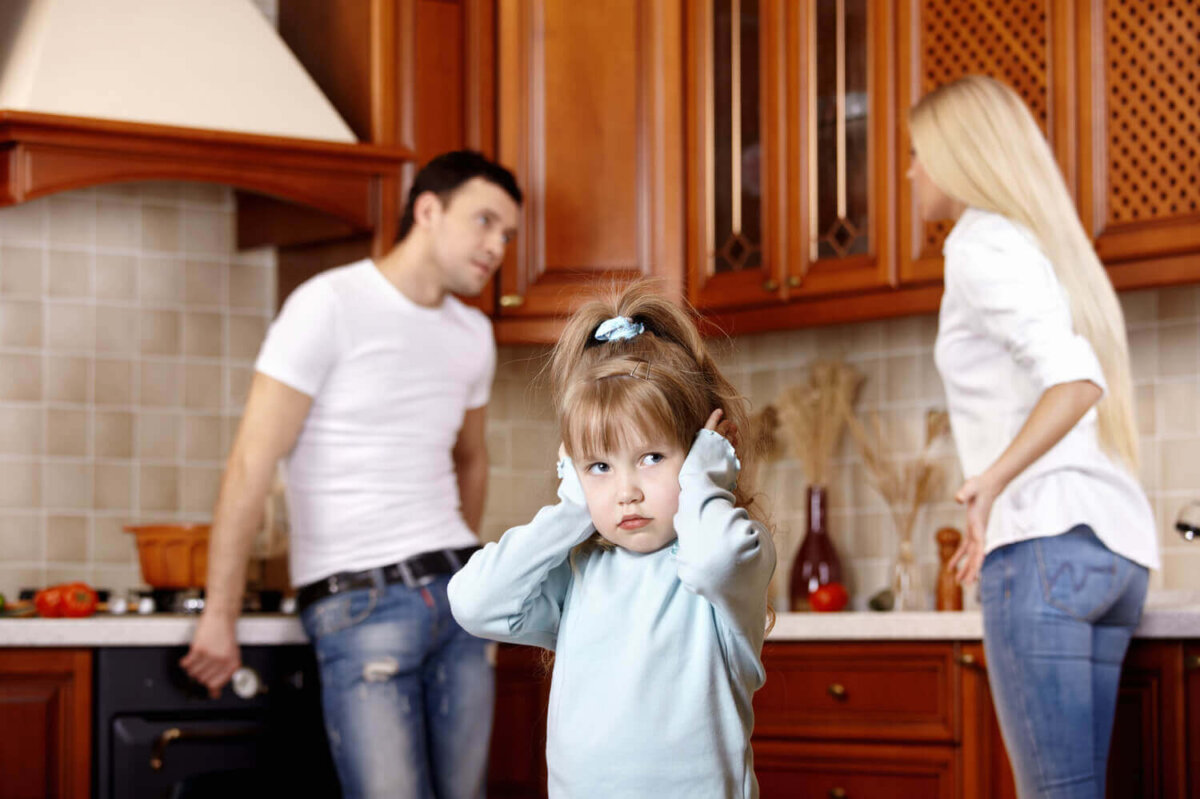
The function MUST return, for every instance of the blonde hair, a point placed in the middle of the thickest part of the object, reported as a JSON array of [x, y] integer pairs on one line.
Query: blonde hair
[[979, 143]]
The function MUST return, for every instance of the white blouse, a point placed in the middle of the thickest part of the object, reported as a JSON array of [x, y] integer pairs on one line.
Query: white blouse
[[1004, 337]]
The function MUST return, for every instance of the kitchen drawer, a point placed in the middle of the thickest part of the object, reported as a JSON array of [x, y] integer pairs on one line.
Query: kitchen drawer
[[857, 692], [788, 770]]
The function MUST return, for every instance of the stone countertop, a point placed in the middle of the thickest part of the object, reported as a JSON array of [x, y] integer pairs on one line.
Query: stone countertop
[[1167, 615]]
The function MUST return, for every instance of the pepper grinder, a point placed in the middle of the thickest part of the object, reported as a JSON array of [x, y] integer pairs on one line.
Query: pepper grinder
[[949, 592]]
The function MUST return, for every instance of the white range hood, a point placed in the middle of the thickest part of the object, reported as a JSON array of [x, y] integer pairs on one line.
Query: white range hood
[[212, 64]]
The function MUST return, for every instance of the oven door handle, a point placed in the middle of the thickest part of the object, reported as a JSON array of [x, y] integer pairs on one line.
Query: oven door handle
[[159, 753]]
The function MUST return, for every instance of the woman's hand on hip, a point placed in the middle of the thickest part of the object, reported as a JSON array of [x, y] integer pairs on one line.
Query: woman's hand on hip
[[978, 494]]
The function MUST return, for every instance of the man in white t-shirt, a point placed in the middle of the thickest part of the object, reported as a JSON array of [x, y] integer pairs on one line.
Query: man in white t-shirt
[[373, 382]]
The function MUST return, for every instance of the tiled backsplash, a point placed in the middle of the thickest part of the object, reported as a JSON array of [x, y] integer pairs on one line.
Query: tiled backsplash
[[128, 329], [129, 326]]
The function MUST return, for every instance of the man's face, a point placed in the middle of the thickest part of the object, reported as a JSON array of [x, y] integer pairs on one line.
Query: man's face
[[470, 233], [633, 493]]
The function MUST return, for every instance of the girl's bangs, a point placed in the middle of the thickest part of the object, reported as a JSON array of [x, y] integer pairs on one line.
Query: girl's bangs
[[615, 413]]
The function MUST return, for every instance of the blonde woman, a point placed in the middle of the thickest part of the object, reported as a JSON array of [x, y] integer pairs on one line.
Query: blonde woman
[[1031, 348]]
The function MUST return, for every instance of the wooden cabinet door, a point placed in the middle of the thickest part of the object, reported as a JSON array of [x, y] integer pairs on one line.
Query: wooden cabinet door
[[987, 773], [1146, 757], [795, 770], [1027, 45], [589, 116], [45, 716], [1192, 691], [517, 761], [1140, 144]]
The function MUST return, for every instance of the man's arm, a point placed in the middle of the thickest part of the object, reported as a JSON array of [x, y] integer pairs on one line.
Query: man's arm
[[471, 465], [270, 425]]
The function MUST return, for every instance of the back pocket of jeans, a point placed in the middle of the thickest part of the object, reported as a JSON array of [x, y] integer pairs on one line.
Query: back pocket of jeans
[[1079, 575]]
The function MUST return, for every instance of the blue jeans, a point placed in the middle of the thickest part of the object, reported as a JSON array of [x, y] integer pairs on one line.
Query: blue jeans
[[407, 694], [1058, 614]]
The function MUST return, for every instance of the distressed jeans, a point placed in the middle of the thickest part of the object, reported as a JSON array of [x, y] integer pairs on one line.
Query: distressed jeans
[[1058, 614], [407, 694]]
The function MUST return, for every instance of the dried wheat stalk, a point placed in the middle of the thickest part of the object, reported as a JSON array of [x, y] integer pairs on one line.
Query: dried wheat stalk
[[811, 412]]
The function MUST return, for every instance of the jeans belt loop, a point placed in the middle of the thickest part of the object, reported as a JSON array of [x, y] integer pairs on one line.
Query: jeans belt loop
[[452, 556], [406, 573], [378, 579]]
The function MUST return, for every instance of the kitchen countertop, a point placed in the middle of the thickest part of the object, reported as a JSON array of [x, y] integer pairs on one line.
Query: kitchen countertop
[[1168, 614]]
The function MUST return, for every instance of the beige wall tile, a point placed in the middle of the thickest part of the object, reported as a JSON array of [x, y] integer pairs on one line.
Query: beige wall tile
[[70, 326], [202, 387], [1143, 354], [113, 380], [198, 487], [118, 224], [67, 539], [20, 324], [204, 283], [160, 333], [66, 432], [66, 379], [21, 270], [499, 447], [114, 434], [113, 486], [161, 383], [1139, 307], [1146, 408], [116, 276], [72, 220], [20, 377], [116, 330], [208, 232], [21, 430], [70, 273], [158, 489], [1180, 468], [25, 222], [902, 378], [20, 484], [110, 542], [203, 334], [245, 335], [1177, 407], [67, 485], [1179, 349], [1178, 302], [158, 435], [1181, 569], [21, 537], [69, 574], [202, 438], [160, 228], [160, 280], [161, 192], [248, 287], [240, 379], [210, 194]]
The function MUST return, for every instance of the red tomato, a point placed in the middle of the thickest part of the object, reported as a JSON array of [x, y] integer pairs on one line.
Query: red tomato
[[78, 600], [49, 602], [829, 597]]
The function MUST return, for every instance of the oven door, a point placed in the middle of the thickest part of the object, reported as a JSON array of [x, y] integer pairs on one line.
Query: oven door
[[172, 758]]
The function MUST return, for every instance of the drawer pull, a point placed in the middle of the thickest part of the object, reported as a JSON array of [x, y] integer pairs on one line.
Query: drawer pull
[[770, 286], [837, 793], [969, 661], [511, 301], [837, 691], [1193, 662], [793, 281]]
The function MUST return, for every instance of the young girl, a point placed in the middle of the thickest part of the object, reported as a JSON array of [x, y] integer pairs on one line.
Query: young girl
[[647, 579], [1031, 348]]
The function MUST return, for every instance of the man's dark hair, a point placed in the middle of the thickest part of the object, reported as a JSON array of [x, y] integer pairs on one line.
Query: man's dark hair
[[446, 173]]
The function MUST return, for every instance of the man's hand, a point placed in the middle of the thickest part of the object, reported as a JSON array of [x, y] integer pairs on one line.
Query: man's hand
[[214, 655]]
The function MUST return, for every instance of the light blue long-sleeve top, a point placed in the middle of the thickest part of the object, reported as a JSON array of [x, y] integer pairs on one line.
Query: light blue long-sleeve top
[[657, 655]]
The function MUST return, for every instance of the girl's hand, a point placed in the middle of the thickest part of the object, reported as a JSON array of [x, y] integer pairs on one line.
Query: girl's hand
[[978, 495], [726, 429]]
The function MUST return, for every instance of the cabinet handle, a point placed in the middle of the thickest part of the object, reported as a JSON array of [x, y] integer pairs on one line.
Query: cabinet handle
[[793, 281], [770, 285], [837, 793], [969, 661], [836, 690], [1192, 663], [511, 301]]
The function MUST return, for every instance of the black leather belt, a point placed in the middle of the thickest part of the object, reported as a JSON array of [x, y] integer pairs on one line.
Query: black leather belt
[[415, 572]]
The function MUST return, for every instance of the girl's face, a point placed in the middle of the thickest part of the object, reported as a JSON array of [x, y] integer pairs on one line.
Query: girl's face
[[633, 493], [933, 204]]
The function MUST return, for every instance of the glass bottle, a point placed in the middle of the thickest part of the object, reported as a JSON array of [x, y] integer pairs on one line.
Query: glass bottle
[[816, 561]]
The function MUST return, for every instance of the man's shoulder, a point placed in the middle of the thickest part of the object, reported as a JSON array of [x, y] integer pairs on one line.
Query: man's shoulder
[[470, 317]]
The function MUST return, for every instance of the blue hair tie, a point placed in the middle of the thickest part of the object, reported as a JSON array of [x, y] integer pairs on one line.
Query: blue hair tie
[[619, 328]]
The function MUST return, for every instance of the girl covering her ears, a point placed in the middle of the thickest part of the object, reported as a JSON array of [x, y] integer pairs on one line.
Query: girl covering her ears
[[1031, 348], [648, 579]]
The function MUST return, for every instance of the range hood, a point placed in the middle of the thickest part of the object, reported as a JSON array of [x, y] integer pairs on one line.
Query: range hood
[[94, 92]]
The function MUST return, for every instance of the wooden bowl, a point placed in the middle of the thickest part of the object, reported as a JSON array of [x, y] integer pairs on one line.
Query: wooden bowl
[[172, 555]]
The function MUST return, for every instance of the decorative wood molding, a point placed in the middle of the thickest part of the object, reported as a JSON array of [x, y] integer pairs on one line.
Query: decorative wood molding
[[47, 153]]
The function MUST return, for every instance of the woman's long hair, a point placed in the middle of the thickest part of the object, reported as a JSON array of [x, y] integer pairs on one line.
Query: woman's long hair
[[979, 143]]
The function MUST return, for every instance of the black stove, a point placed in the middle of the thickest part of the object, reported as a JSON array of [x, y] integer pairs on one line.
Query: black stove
[[158, 734]]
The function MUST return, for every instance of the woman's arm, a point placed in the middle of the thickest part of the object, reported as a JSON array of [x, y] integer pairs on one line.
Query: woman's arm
[[1059, 409]]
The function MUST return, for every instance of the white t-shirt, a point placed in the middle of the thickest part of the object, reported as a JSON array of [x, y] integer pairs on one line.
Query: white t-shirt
[[371, 480], [1004, 337]]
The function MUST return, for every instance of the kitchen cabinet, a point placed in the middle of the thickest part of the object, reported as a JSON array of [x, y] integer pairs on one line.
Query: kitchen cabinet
[[589, 117], [45, 713], [517, 762], [916, 719]]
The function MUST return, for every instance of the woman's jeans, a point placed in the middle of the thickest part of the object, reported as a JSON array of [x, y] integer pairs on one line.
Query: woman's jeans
[[407, 694], [1058, 614]]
